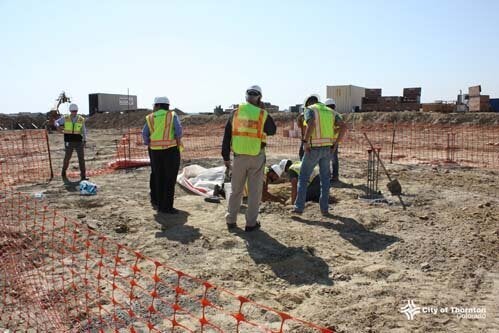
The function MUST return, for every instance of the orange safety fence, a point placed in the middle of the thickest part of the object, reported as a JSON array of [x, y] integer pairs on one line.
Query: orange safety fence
[[58, 275], [24, 157], [476, 146]]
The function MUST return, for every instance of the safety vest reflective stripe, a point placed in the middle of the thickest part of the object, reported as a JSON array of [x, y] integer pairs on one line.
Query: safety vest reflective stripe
[[322, 141], [317, 126], [161, 138], [73, 128], [157, 143]]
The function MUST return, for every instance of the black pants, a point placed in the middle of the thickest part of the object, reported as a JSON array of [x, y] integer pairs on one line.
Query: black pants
[[314, 190], [164, 169], [69, 147]]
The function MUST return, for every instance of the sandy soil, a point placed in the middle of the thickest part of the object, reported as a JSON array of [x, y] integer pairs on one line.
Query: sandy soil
[[352, 271]]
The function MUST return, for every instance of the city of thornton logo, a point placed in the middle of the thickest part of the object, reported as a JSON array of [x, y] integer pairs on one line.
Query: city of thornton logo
[[410, 310]]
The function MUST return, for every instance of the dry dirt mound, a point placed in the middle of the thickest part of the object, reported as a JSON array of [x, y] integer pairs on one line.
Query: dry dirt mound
[[469, 118], [20, 121], [136, 118]]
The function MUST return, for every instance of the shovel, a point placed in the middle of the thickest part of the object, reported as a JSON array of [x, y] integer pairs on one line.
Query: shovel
[[393, 185]]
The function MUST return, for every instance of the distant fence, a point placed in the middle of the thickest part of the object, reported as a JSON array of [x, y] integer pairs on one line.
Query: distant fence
[[57, 275], [25, 155], [476, 146]]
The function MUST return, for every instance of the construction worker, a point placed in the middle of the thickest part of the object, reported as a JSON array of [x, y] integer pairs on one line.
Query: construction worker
[[75, 137], [339, 132], [270, 175], [244, 133], [317, 142], [300, 121], [313, 186], [162, 134]]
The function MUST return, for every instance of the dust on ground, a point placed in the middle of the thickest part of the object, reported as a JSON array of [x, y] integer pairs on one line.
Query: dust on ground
[[353, 270]]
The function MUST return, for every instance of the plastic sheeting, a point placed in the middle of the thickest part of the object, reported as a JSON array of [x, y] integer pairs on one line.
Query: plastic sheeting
[[201, 181]]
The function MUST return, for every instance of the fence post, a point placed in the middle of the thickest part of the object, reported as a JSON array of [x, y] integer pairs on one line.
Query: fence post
[[393, 142], [50, 157]]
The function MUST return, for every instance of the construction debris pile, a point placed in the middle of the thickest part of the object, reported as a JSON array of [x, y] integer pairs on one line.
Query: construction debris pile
[[477, 102], [410, 101]]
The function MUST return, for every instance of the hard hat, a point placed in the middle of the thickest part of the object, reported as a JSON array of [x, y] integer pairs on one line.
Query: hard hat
[[162, 100], [277, 169], [73, 107], [329, 101], [309, 96], [255, 88], [282, 164]]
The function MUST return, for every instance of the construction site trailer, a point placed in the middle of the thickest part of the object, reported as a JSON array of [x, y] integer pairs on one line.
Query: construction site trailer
[[347, 97], [101, 102]]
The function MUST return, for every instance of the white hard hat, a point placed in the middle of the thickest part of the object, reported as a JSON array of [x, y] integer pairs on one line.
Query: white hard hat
[[311, 95], [162, 100], [73, 107], [255, 88], [329, 101], [282, 164], [277, 169]]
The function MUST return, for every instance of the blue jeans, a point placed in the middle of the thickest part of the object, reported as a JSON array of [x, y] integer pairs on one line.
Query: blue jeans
[[335, 164], [322, 157]]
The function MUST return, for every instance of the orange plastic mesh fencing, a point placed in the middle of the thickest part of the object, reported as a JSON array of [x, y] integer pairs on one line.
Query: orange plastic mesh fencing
[[58, 275], [476, 146], [24, 157]]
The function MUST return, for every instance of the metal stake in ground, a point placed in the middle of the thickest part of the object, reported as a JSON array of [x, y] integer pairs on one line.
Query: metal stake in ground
[[393, 186], [372, 175]]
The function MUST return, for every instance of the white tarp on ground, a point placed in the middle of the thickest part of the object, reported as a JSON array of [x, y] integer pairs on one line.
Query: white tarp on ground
[[201, 181]]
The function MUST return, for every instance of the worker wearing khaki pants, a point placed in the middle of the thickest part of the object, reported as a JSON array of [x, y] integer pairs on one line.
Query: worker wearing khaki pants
[[248, 168], [245, 134]]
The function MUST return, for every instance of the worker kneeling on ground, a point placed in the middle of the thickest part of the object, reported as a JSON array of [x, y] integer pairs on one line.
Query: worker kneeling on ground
[[272, 174], [314, 183]]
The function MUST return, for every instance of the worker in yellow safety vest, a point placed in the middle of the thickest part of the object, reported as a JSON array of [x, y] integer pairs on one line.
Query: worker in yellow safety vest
[[317, 143], [313, 185], [162, 133], [270, 175], [339, 132], [75, 137], [245, 135]]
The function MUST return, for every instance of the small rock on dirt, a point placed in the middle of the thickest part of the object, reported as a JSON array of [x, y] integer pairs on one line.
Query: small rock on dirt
[[121, 229], [425, 265]]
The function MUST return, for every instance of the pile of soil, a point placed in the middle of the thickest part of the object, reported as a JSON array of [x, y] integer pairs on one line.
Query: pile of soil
[[136, 118], [22, 121]]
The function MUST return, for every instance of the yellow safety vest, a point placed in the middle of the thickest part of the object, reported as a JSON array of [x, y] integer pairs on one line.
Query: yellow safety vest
[[73, 128], [161, 129], [323, 133], [297, 166], [247, 129]]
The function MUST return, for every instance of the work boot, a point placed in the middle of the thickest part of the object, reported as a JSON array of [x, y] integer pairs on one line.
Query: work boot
[[252, 228]]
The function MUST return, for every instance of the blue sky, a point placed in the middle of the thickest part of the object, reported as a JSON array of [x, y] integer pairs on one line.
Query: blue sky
[[201, 54]]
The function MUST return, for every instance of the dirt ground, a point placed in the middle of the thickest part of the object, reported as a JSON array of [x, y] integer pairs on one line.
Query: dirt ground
[[352, 271]]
